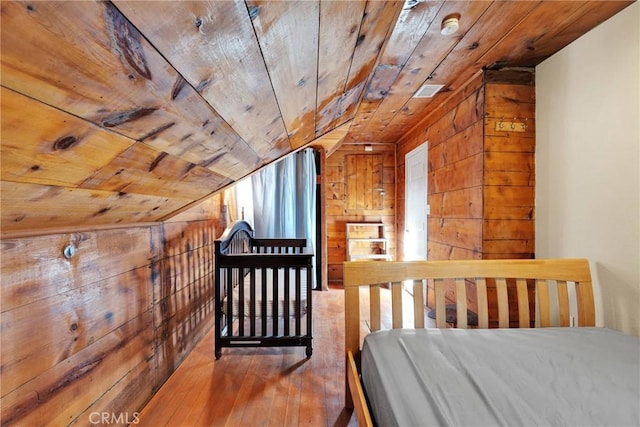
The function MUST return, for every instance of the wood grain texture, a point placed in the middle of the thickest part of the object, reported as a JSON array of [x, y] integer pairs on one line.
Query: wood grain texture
[[431, 50], [409, 30], [28, 206], [353, 196], [107, 73], [270, 386], [339, 27], [222, 88], [102, 330], [292, 67], [186, 36], [377, 23], [46, 146]]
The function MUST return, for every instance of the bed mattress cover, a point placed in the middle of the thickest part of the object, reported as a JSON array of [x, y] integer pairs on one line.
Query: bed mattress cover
[[502, 377]]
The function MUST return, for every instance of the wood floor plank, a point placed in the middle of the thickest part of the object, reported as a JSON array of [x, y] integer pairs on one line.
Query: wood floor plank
[[261, 387]]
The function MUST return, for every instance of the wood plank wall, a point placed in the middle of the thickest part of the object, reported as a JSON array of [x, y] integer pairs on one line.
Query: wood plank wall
[[353, 181], [455, 160], [100, 332], [509, 166], [481, 178]]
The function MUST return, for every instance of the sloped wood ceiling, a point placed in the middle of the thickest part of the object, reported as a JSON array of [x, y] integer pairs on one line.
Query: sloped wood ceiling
[[131, 111]]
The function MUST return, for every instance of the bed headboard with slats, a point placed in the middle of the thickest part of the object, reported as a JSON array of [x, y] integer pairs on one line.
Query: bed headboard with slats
[[550, 277]]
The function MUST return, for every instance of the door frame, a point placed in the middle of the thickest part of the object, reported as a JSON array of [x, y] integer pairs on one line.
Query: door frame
[[422, 148]]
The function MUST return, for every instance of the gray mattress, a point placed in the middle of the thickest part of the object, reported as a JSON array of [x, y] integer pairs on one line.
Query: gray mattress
[[502, 377]]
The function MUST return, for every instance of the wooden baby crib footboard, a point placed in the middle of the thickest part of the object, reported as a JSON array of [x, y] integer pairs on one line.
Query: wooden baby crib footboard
[[262, 291]]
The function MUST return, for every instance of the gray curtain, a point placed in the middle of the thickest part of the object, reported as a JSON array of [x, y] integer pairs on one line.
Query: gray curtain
[[284, 199]]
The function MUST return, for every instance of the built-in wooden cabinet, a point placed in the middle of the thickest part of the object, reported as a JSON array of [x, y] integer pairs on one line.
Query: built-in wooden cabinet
[[360, 187]]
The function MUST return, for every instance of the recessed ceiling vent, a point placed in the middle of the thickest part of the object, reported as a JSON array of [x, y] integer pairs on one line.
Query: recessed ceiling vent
[[427, 91]]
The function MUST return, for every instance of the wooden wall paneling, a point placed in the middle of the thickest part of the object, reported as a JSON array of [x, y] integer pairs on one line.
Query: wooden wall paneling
[[510, 100], [465, 233], [143, 170], [73, 328], [377, 21], [463, 203], [339, 28], [407, 33], [183, 309], [353, 180], [41, 144], [364, 182], [460, 146], [540, 36], [67, 389], [183, 36], [126, 398], [466, 113], [26, 262], [431, 50], [208, 209], [107, 73], [39, 335], [335, 175], [83, 334], [509, 169], [515, 143], [440, 251], [455, 136], [506, 202], [289, 44], [28, 206], [463, 174], [488, 30]]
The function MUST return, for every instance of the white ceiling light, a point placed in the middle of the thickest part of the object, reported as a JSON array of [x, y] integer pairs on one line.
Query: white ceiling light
[[450, 24]]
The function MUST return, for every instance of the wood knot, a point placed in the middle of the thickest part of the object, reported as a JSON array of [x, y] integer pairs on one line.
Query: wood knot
[[65, 142]]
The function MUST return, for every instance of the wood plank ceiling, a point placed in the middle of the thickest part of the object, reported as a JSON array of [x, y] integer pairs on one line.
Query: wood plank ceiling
[[131, 111]]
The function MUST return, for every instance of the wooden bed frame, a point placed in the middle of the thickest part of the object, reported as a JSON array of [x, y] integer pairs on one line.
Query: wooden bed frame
[[503, 275], [283, 262]]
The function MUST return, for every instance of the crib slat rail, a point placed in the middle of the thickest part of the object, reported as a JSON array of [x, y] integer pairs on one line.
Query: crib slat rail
[[263, 291], [500, 278]]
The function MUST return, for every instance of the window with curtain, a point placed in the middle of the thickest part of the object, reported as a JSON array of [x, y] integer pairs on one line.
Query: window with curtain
[[279, 200]]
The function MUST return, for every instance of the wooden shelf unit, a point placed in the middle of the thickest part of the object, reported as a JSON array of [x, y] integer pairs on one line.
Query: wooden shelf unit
[[367, 240]]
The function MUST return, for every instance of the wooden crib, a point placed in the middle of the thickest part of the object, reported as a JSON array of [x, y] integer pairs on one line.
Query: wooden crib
[[248, 268]]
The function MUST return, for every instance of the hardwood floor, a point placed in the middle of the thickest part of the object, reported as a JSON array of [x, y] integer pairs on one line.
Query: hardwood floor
[[261, 387]]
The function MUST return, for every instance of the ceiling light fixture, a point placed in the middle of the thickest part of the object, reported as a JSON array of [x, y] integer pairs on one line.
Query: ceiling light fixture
[[450, 24]]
